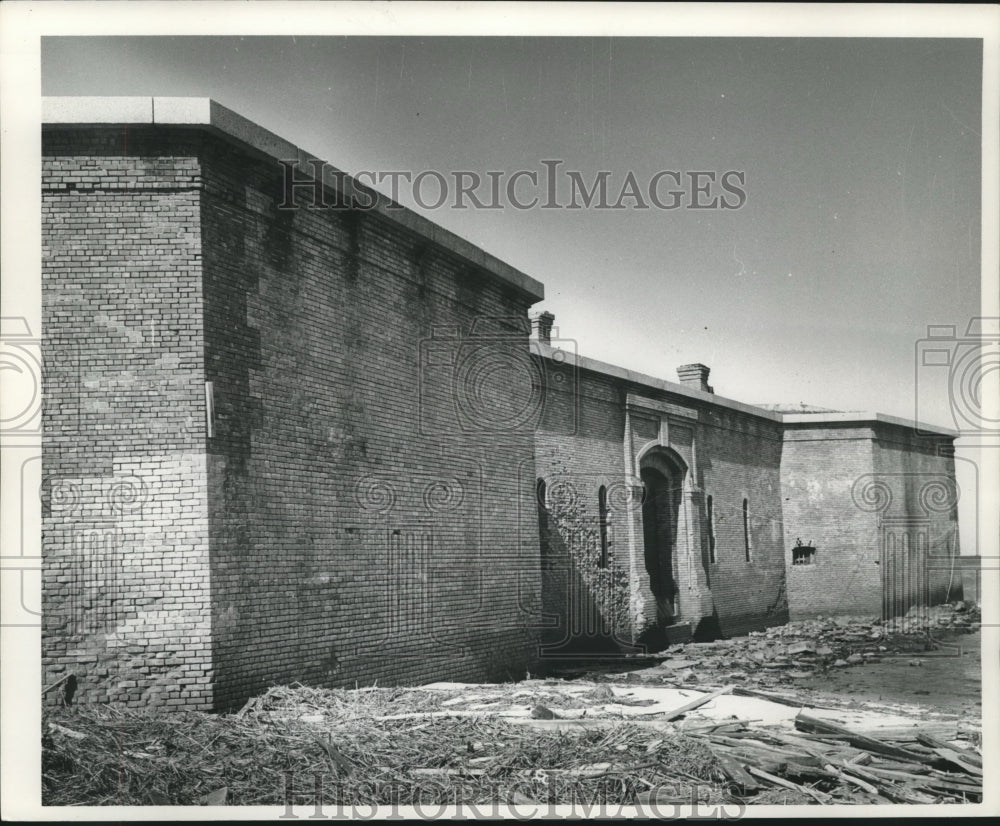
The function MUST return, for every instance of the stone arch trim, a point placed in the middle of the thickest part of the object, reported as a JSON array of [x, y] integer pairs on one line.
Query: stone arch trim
[[664, 459], [694, 599]]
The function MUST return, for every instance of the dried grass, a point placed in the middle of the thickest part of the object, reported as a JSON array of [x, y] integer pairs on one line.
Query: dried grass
[[135, 757]]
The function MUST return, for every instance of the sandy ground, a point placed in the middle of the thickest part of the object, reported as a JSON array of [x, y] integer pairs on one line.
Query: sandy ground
[[947, 680]]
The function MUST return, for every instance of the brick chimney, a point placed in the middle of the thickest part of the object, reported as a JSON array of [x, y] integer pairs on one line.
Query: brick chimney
[[543, 323], [695, 376]]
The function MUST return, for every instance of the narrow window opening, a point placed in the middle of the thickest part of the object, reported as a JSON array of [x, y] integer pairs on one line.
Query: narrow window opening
[[746, 528], [711, 530], [602, 507], [543, 524]]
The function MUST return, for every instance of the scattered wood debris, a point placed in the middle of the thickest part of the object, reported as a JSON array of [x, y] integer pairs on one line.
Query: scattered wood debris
[[491, 743]]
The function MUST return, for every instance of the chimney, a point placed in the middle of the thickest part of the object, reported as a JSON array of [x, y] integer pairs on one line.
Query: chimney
[[695, 376], [543, 323]]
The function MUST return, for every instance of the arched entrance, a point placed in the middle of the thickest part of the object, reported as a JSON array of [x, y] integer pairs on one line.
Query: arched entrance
[[662, 473]]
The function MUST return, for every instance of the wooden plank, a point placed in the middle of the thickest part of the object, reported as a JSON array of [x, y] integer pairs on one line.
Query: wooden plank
[[735, 772], [924, 779], [57, 683], [432, 715], [896, 793], [856, 781], [739, 691], [586, 723], [747, 744], [758, 759], [910, 732], [812, 746], [693, 704], [804, 722], [820, 797], [934, 743], [955, 758]]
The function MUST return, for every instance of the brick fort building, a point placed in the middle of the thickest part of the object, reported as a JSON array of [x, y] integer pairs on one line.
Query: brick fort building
[[287, 438]]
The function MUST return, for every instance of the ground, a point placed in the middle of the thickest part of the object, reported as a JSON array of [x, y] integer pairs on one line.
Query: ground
[[828, 711], [948, 680]]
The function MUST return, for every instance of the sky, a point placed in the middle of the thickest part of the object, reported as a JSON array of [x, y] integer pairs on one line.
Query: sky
[[861, 160]]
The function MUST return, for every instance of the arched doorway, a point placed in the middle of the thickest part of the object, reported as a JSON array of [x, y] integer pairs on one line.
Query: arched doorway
[[662, 477]]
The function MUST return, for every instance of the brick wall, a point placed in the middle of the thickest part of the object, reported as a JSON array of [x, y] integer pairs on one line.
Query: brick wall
[[362, 508], [365, 516], [583, 445], [918, 526], [578, 449], [360, 503], [818, 474], [879, 505], [740, 458], [124, 520]]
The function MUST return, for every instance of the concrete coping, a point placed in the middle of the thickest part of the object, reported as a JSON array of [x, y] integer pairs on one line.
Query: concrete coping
[[825, 420], [857, 417], [208, 114], [682, 391]]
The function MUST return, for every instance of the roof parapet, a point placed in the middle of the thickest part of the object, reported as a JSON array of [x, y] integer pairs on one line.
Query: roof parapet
[[208, 114]]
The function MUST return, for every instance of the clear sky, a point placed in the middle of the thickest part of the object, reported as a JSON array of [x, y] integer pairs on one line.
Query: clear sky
[[862, 168], [862, 163]]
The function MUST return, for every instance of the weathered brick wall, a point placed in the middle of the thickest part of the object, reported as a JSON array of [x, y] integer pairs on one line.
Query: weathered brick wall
[[582, 446], [740, 458], [578, 449], [820, 475], [367, 520], [365, 509], [124, 522], [880, 506], [918, 525], [361, 504]]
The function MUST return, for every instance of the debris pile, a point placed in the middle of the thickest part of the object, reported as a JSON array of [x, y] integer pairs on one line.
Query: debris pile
[[538, 741], [370, 746], [830, 763], [781, 654]]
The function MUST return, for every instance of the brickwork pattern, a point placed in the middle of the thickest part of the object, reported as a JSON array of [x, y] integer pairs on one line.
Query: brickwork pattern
[[818, 473], [362, 530], [740, 458], [918, 525], [124, 519], [733, 456], [873, 501], [303, 444]]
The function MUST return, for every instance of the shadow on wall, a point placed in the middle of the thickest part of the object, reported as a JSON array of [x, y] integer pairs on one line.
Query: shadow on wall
[[585, 607]]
